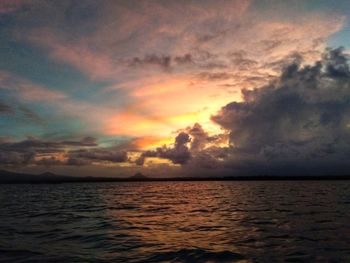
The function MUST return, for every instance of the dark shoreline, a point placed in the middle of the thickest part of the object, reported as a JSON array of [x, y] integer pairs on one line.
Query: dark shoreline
[[67, 179], [7, 177]]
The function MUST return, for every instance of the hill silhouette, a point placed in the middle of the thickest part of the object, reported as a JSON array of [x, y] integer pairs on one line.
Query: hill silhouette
[[138, 176]]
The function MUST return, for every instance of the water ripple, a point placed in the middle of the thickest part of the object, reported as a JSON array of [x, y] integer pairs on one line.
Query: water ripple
[[176, 222]]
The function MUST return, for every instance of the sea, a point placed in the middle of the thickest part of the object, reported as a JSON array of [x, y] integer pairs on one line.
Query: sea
[[214, 221]]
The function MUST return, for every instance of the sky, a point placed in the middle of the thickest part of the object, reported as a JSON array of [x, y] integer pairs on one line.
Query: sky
[[175, 88]]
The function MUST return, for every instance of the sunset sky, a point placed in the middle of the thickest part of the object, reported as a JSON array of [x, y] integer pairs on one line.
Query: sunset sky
[[173, 88]]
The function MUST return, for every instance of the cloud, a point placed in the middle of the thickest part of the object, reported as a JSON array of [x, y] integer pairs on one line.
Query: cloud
[[240, 60], [32, 143], [9, 6], [38, 152], [74, 161], [116, 31], [27, 90], [179, 154], [145, 142], [25, 113], [214, 76], [200, 139], [185, 59], [16, 158], [299, 123], [192, 147], [165, 62], [5, 109], [208, 51], [24, 92], [31, 115], [301, 119], [161, 61], [84, 156], [152, 36], [86, 141], [49, 161], [27, 151], [97, 64]]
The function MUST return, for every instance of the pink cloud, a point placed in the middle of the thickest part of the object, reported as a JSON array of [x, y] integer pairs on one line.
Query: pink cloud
[[28, 90], [96, 64], [209, 32], [125, 32]]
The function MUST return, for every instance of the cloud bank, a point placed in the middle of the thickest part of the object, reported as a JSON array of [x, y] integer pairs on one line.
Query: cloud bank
[[34, 151], [298, 123], [133, 74]]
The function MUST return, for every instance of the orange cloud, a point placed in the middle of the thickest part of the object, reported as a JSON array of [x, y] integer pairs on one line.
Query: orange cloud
[[161, 86], [162, 102], [152, 142], [128, 123]]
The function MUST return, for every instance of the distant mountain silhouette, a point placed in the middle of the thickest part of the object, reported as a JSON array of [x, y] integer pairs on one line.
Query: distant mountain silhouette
[[7, 177], [139, 176], [48, 174], [47, 177]]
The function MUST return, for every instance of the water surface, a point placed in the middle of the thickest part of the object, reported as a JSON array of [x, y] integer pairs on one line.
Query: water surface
[[266, 221]]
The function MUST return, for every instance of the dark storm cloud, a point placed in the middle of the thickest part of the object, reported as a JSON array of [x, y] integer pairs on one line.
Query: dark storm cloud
[[71, 152], [191, 149], [280, 64], [297, 124], [200, 138], [97, 154], [32, 143], [205, 154], [179, 154], [16, 158], [300, 120], [24, 152], [258, 78], [203, 160], [337, 65]]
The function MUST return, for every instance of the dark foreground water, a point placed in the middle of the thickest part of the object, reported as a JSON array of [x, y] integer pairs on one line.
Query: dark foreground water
[[295, 221]]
